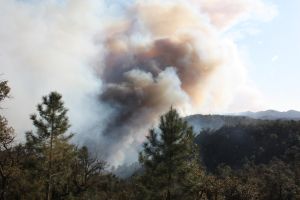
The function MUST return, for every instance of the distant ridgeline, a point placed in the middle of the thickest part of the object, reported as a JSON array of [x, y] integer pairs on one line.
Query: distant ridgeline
[[214, 122], [237, 140]]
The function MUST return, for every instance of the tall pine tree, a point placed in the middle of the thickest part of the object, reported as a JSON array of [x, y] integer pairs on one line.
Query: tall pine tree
[[168, 157], [50, 144]]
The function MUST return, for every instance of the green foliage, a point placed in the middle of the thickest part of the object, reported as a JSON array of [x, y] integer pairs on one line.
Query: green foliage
[[51, 123], [53, 153], [168, 157], [277, 180], [8, 164], [8, 167], [248, 161], [261, 142]]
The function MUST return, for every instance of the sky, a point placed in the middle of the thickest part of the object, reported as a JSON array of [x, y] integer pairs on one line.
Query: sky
[[272, 52]]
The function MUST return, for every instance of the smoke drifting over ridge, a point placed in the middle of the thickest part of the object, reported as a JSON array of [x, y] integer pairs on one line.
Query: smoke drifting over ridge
[[154, 55]]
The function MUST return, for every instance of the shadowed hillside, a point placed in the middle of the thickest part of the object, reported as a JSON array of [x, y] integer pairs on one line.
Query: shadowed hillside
[[214, 122]]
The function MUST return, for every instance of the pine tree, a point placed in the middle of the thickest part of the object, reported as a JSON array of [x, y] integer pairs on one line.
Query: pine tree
[[50, 143], [168, 157]]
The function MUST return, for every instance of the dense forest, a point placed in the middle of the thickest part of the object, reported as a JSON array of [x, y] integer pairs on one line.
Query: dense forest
[[238, 162]]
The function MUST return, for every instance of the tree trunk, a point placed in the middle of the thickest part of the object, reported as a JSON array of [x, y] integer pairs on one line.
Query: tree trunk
[[49, 188], [3, 185], [168, 195], [2, 194]]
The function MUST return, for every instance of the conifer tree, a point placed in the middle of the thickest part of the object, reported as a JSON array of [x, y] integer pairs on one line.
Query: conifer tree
[[168, 157], [50, 142]]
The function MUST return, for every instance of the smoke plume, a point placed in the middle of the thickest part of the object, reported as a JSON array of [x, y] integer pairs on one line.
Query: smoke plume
[[120, 66]]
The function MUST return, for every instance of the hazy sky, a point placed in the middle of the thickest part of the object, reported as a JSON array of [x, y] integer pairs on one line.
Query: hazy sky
[[272, 52]]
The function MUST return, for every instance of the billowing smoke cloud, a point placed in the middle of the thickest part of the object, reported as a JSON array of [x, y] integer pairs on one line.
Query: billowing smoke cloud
[[120, 66]]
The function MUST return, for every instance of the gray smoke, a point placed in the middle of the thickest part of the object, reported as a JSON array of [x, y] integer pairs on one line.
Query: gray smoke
[[162, 54]]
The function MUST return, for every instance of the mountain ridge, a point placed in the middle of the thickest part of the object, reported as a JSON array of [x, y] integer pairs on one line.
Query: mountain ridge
[[272, 114], [216, 121]]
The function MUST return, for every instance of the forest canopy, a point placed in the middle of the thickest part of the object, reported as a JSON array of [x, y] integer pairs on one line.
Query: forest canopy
[[238, 162]]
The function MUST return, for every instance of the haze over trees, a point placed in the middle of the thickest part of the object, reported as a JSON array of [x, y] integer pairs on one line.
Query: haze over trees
[[243, 161]]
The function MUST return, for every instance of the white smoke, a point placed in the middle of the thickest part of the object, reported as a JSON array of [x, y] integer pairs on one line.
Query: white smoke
[[48, 46]]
